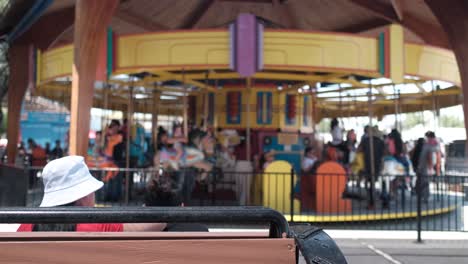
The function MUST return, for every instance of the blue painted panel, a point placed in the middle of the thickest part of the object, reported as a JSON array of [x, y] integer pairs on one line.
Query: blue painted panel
[[44, 127]]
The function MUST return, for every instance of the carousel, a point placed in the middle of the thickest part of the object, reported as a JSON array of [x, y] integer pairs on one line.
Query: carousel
[[260, 89]]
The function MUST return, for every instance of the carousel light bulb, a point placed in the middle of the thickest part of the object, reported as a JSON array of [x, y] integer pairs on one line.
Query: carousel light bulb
[[299, 90], [280, 87], [306, 87], [318, 85]]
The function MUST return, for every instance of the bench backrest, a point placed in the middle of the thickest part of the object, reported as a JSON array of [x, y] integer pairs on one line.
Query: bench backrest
[[115, 248]]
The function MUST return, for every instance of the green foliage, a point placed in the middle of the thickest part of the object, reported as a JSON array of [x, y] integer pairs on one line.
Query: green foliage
[[412, 119], [451, 121]]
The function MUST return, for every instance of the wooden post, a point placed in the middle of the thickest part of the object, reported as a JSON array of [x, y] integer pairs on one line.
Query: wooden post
[[247, 134], [17, 87], [91, 21], [454, 21]]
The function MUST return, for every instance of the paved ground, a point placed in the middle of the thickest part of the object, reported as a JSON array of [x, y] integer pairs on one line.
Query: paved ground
[[397, 247], [362, 251]]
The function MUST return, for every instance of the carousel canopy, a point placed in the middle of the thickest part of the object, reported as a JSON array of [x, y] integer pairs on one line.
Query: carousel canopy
[[337, 90]]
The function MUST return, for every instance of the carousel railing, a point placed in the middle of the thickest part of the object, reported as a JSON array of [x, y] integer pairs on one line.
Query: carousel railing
[[327, 200]]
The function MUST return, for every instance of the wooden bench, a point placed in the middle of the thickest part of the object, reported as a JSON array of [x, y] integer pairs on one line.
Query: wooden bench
[[279, 245]]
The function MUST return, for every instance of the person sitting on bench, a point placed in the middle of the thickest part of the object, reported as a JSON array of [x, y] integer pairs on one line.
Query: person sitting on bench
[[67, 182]]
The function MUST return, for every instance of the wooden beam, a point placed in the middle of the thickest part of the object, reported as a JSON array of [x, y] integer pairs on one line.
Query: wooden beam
[[427, 31], [454, 21], [379, 9], [41, 35], [48, 28], [365, 26], [398, 7], [91, 20], [17, 86], [249, 1], [285, 13], [197, 14], [138, 21]]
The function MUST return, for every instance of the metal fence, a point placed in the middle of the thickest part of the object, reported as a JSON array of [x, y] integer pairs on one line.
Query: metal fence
[[326, 200]]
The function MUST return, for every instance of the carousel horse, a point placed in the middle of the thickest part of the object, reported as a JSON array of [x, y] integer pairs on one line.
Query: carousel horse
[[192, 154], [395, 173]]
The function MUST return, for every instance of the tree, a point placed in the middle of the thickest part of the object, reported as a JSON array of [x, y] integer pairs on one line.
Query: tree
[[412, 119], [451, 121]]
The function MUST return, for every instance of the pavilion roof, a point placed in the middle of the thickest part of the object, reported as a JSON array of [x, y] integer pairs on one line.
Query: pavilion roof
[[365, 17]]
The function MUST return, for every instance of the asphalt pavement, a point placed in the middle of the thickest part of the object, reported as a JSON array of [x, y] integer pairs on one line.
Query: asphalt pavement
[[395, 247], [363, 251]]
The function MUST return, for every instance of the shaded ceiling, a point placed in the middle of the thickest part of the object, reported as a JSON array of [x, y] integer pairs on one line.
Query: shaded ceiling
[[366, 17]]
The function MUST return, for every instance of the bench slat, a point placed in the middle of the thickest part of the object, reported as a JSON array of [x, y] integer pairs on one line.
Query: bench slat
[[202, 251], [50, 236]]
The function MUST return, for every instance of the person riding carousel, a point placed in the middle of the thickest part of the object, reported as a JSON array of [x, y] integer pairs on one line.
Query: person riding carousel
[[336, 148], [175, 154]]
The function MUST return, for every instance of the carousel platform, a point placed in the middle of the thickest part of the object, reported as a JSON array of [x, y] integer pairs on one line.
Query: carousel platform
[[395, 211]]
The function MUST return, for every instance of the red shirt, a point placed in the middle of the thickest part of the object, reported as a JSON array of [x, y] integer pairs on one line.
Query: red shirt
[[82, 228]]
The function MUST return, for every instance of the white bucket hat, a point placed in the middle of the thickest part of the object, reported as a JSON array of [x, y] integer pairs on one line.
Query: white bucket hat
[[67, 180]]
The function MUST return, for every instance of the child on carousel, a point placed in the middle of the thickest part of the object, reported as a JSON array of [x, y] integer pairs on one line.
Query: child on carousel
[[176, 151]]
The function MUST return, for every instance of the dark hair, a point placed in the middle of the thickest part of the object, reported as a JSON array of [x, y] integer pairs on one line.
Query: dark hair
[[262, 161], [307, 150], [114, 122], [366, 129], [158, 194], [396, 136], [334, 123], [55, 227], [196, 134], [430, 134], [417, 153], [161, 132]]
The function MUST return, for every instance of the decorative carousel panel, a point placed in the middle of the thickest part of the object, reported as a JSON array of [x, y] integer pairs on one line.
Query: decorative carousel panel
[[431, 63], [190, 49], [55, 63], [327, 51]]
